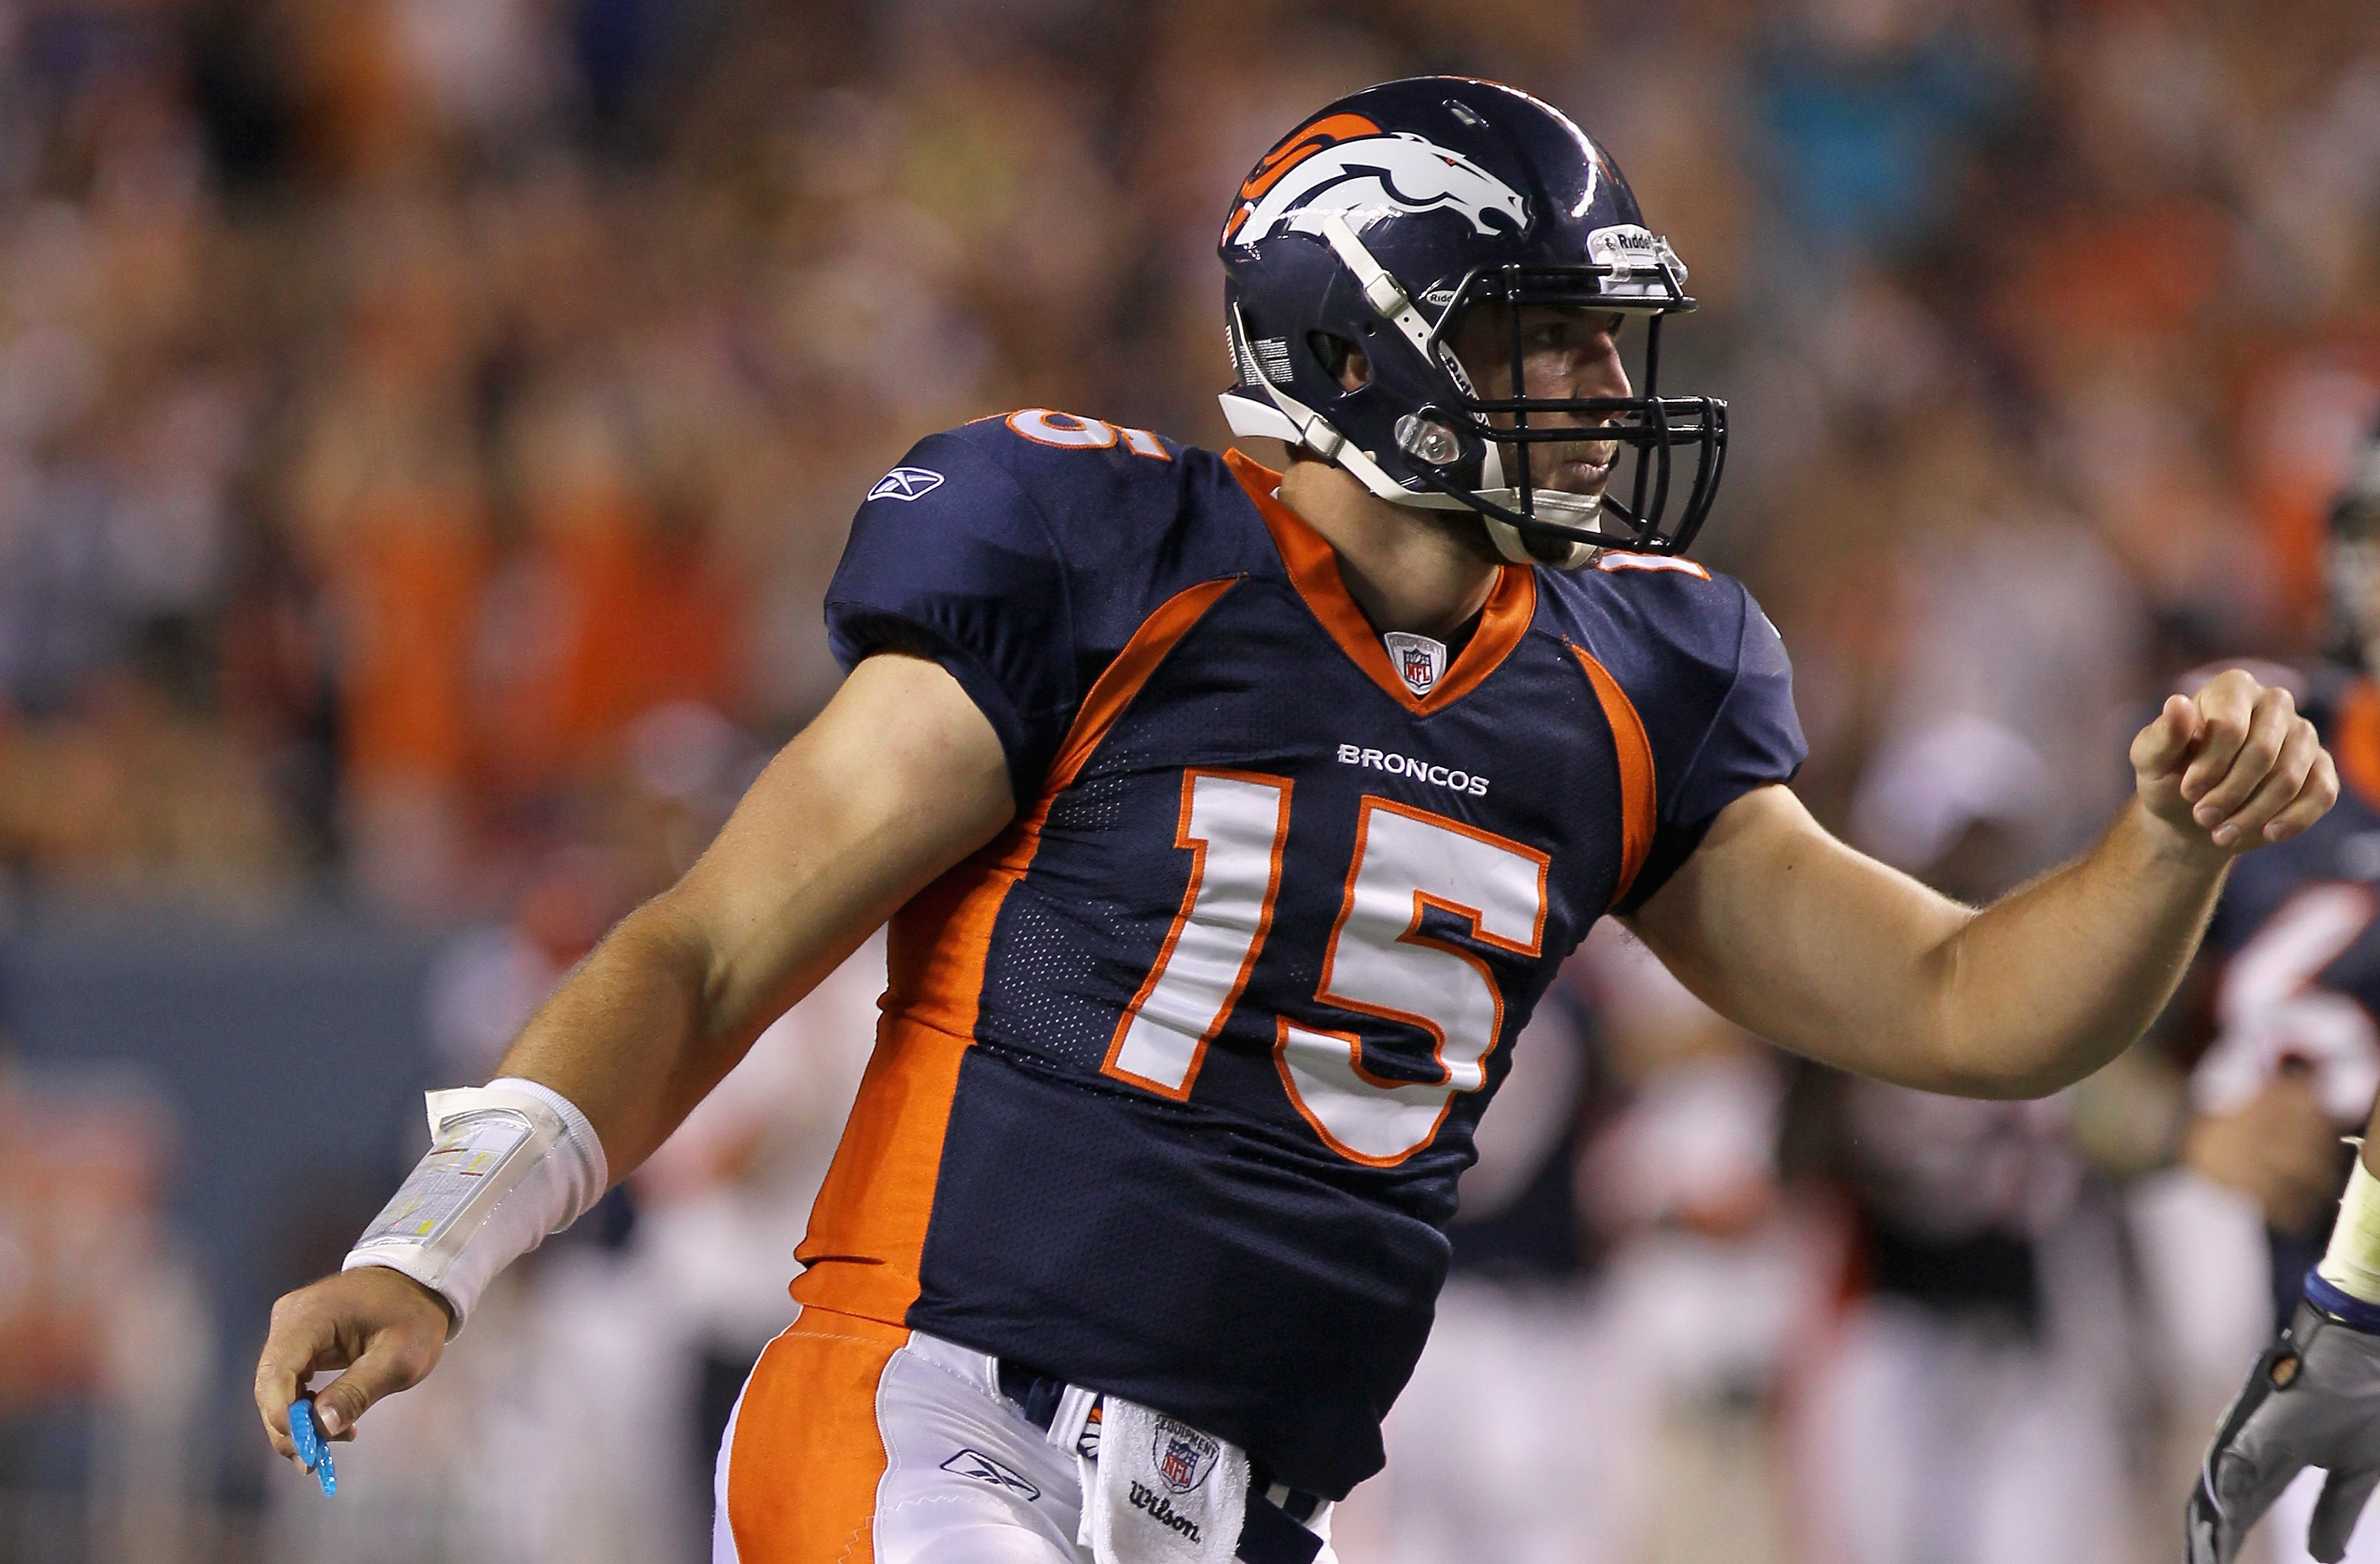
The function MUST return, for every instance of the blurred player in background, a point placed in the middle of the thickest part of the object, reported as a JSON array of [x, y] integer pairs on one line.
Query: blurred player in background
[[2294, 1065], [1175, 1081], [1612, 1274], [1518, 1434], [1967, 1408], [1707, 1271]]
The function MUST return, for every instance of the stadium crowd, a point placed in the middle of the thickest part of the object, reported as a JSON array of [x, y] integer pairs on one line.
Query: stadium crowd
[[426, 428]]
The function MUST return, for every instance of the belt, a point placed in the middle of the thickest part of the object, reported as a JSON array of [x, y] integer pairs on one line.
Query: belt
[[1273, 1531]]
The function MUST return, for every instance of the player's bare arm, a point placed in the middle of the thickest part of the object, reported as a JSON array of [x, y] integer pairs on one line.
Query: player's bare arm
[[1801, 938], [899, 778]]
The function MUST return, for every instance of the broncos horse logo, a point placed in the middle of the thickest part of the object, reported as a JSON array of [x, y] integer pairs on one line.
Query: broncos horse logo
[[1344, 163]]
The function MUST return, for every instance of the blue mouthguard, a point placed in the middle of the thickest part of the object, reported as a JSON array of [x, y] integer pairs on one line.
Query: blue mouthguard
[[313, 1449]]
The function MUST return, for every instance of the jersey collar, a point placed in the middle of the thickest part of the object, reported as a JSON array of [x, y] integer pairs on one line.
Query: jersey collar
[[1314, 570]]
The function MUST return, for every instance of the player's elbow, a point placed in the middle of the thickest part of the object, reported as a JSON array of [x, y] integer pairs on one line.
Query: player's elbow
[[1976, 1045], [2016, 1061], [2006, 1081], [665, 942]]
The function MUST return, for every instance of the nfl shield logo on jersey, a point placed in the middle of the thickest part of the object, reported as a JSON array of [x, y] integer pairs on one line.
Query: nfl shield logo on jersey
[[1183, 1455], [1420, 660]]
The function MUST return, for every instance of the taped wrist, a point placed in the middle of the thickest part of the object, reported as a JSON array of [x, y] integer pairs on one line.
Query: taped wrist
[[2352, 1262], [509, 1163]]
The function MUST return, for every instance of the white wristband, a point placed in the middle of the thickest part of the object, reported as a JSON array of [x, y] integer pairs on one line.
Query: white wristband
[[509, 1163], [2352, 1262]]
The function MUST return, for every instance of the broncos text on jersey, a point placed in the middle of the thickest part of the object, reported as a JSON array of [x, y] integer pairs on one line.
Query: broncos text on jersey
[[1176, 1077]]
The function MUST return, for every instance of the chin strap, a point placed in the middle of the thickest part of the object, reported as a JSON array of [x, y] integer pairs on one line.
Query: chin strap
[[1391, 303], [1297, 424], [1508, 542]]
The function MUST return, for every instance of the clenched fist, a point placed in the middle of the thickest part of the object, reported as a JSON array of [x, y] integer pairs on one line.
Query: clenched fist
[[2234, 767]]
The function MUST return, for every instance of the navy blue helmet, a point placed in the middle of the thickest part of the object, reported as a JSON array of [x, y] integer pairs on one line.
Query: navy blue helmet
[[1376, 225]]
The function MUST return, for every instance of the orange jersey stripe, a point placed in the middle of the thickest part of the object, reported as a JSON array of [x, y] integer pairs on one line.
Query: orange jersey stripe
[[867, 1227], [808, 1455], [1158, 635], [1637, 803]]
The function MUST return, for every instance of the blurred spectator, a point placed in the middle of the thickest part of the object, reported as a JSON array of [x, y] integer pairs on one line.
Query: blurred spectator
[[458, 381], [99, 1390]]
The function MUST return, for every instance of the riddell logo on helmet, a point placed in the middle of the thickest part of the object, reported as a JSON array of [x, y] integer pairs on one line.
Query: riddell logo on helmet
[[1344, 164], [1624, 247]]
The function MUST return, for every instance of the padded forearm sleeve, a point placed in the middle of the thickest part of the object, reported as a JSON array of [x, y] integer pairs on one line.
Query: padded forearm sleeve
[[509, 1163]]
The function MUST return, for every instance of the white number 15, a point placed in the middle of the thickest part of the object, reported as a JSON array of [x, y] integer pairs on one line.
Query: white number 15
[[1379, 964]]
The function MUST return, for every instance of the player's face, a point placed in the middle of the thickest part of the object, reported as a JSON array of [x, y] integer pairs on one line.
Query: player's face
[[1566, 353]]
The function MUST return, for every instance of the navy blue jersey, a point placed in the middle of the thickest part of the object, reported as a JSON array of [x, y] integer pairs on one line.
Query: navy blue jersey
[[1176, 1076], [2298, 931]]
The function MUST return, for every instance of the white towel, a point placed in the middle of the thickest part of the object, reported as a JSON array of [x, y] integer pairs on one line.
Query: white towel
[[1160, 1491]]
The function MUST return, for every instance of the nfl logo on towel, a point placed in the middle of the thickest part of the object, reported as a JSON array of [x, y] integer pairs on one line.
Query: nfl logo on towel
[[1184, 1456]]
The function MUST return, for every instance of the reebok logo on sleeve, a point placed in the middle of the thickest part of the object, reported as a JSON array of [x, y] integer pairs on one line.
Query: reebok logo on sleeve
[[906, 483]]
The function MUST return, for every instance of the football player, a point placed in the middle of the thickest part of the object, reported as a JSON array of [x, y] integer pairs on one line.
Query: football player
[[1229, 823], [2295, 1010]]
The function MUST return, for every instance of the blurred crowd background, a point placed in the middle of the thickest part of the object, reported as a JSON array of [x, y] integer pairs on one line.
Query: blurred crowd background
[[426, 428]]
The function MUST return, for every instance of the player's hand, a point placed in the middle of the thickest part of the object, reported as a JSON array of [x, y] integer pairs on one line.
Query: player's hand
[[384, 1329], [2312, 1400], [2234, 767], [2280, 1148]]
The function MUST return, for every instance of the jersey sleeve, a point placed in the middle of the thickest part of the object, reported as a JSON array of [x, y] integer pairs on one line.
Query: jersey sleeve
[[1753, 738], [951, 559]]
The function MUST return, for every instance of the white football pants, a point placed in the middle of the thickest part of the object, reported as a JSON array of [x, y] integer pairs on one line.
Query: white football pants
[[965, 1478]]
